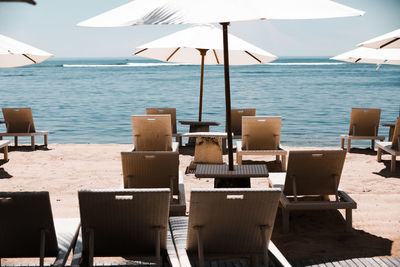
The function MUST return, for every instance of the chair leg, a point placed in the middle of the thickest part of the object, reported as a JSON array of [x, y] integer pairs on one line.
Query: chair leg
[[393, 164], [348, 144], [5, 151], [373, 144], [45, 140], [285, 221], [42, 247], [15, 141], [349, 219], [277, 159], [200, 251], [91, 247], [239, 158], [379, 155], [283, 163], [33, 142], [158, 246], [342, 143]]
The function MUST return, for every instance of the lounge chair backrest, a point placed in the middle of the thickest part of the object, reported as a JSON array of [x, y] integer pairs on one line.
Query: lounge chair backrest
[[364, 122], [164, 111], [124, 222], [261, 133], [314, 172], [151, 170], [18, 120], [236, 119], [152, 132], [396, 135], [230, 221], [22, 217]]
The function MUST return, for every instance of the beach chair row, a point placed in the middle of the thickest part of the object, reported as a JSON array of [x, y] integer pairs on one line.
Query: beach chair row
[[260, 135], [134, 224]]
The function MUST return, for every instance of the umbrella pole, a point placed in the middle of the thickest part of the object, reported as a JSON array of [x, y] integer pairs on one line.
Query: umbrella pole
[[203, 53], [227, 94]]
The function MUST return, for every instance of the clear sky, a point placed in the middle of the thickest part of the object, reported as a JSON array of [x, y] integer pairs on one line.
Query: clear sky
[[51, 26]]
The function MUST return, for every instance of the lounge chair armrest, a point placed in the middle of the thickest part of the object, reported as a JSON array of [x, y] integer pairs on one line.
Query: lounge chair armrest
[[277, 256], [173, 258]]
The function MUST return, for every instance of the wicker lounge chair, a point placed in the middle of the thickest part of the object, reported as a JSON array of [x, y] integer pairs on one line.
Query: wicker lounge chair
[[236, 120], [152, 133], [261, 136], [393, 148], [364, 123], [129, 223], [4, 145], [19, 122], [311, 177], [172, 112], [155, 170], [233, 224], [27, 229]]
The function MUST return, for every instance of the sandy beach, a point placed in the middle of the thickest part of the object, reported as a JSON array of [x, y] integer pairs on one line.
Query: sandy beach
[[63, 169]]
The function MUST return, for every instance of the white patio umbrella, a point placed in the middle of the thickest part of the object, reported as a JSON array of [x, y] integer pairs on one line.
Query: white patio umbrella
[[386, 41], [202, 44], [384, 49], [370, 55], [145, 12], [16, 54]]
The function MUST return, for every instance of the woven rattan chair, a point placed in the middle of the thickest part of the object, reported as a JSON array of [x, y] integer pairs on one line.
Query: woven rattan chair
[[227, 224], [126, 223], [393, 148], [364, 123], [312, 183], [155, 170], [172, 112], [152, 133], [261, 136], [19, 122], [27, 229], [236, 120]]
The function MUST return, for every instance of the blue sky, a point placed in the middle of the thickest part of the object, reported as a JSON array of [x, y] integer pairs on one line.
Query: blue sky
[[51, 26]]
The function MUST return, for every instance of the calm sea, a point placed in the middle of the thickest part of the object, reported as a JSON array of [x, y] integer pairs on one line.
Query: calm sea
[[91, 100]]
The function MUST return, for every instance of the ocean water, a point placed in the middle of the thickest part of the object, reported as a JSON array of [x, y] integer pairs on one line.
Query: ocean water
[[91, 100]]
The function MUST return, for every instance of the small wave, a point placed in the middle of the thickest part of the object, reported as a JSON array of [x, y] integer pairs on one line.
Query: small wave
[[307, 64], [121, 65]]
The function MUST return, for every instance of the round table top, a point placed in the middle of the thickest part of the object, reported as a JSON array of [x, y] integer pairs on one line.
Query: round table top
[[199, 123]]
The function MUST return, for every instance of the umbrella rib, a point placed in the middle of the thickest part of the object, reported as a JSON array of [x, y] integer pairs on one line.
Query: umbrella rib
[[138, 52], [388, 43], [250, 54], [216, 57], [173, 53], [25, 55]]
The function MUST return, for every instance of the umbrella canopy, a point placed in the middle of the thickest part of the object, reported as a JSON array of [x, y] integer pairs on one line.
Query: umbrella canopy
[[202, 44], [388, 40], [145, 12], [141, 12], [369, 55], [184, 46], [26, 1], [16, 54]]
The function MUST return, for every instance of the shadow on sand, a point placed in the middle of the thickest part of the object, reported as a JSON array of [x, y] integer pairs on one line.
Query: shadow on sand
[[3, 173], [27, 148], [385, 172], [364, 151], [321, 235]]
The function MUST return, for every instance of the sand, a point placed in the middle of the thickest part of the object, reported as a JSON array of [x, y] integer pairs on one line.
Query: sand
[[63, 169]]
